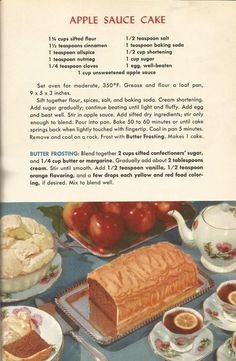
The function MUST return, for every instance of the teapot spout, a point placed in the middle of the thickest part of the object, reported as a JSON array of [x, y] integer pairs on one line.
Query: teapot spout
[[185, 233]]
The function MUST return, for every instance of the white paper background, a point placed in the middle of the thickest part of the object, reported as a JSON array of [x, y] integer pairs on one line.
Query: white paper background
[[206, 28]]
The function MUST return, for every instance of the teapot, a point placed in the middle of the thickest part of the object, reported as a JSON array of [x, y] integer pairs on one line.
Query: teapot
[[214, 233]]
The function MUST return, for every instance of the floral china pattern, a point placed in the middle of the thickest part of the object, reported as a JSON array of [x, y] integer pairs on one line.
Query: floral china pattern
[[184, 341], [169, 352], [204, 344], [214, 315], [166, 349], [230, 310], [230, 347], [225, 251], [35, 318], [52, 273]]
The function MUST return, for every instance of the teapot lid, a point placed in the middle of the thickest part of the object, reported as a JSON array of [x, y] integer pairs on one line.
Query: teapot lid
[[220, 216]]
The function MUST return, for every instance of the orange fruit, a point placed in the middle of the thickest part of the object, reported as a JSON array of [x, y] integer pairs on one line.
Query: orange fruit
[[232, 297], [186, 320]]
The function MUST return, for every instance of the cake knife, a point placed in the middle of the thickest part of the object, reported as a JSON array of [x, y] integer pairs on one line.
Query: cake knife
[[67, 329]]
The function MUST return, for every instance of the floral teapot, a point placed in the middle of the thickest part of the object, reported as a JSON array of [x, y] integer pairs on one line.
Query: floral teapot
[[214, 233]]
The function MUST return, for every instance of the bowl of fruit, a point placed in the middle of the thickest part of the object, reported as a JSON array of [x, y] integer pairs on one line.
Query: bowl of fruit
[[108, 228]]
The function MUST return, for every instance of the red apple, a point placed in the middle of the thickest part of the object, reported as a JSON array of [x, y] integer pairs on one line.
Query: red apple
[[76, 215], [111, 207], [162, 209], [139, 217], [105, 229]]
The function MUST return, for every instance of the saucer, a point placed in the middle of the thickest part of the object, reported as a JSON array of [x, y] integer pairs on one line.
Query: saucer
[[160, 344], [225, 351], [46, 282], [214, 313]]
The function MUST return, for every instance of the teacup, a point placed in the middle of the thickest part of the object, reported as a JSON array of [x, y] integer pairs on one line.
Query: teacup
[[225, 296], [183, 325]]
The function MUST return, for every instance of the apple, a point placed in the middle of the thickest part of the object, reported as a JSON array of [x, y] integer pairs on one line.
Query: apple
[[111, 207], [67, 212], [105, 229], [139, 217], [162, 209], [76, 215]]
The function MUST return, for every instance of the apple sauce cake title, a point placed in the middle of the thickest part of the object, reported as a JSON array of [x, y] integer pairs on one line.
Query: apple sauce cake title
[[127, 19]]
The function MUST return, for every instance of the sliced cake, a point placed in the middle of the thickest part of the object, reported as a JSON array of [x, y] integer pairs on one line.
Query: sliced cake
[[30, 347]]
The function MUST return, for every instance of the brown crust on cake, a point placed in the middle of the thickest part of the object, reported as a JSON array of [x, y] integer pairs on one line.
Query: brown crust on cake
[[30, 347], [136, 286]]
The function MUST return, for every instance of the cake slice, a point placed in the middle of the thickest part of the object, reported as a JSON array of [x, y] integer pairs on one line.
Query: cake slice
[[138, 285], [30, 347]]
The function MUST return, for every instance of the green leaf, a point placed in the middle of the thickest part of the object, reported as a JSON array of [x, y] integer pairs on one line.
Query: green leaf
[[230, 348], [54, 267], [205, 342], [233, 210], [208, 249], [55, 214]]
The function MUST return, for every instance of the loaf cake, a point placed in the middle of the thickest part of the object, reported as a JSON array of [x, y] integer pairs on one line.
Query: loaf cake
[[138, 285], [30, 347]]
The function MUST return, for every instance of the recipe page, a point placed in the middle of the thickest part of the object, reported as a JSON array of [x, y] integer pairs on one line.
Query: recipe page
[[118, 101], [118, 174]]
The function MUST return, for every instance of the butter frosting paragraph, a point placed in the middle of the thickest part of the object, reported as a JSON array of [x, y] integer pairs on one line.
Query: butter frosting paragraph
[[105, 168]]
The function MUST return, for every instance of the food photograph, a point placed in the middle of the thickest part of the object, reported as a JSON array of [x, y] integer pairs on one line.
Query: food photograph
[[112, 281]]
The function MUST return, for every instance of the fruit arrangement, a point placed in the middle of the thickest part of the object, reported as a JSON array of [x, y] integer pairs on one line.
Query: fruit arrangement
[[118, 225]]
